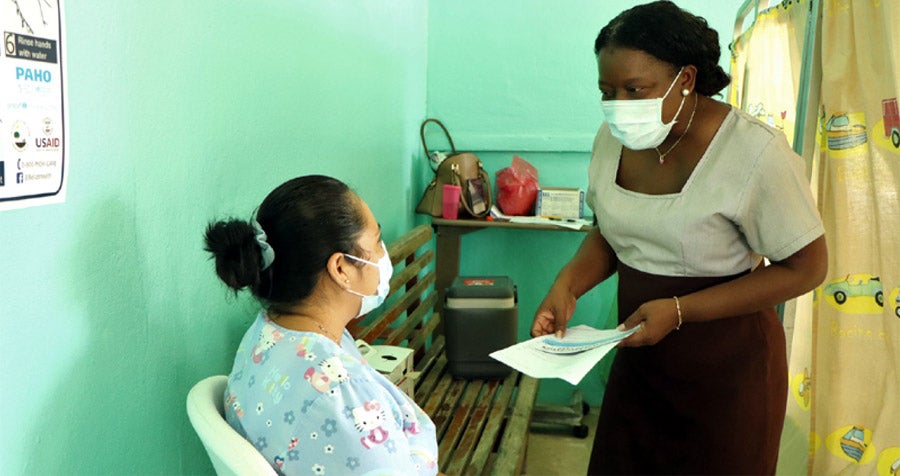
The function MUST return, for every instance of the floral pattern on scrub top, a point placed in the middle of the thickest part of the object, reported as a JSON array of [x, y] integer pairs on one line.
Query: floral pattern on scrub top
[[313, 407]]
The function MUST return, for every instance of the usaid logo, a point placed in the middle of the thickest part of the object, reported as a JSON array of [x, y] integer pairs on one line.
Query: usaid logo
[[47, 142]]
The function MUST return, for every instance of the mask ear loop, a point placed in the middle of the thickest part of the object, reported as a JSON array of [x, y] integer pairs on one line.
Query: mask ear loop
[[683, 97], [366, 262], [675, 80], [360, 260]]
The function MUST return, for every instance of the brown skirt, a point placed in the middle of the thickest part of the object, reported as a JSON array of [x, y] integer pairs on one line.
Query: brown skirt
[[707, 399]]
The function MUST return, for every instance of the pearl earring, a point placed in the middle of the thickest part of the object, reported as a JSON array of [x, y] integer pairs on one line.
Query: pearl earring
[[685, 92]]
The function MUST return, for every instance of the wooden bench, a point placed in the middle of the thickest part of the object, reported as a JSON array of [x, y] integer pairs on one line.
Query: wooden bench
[[482, 425]]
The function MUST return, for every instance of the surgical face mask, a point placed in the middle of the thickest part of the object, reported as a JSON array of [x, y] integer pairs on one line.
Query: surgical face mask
[[385, 270], [637, 123]]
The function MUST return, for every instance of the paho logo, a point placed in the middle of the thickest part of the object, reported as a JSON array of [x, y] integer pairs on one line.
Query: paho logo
[[34, 74]]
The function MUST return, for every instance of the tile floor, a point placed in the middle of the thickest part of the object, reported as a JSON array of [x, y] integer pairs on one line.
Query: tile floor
[[559, 453]]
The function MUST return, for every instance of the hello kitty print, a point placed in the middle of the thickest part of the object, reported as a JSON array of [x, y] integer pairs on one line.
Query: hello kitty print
[[313, 407]]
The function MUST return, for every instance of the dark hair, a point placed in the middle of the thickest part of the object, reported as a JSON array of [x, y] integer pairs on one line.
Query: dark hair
[[671, 34], [306, 220]]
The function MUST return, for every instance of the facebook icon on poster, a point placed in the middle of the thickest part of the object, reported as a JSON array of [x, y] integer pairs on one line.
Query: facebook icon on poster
[[2, 174], [20, 177]]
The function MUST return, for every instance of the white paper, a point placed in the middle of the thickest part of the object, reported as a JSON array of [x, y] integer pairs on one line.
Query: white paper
[[569, 358], [571, 223]]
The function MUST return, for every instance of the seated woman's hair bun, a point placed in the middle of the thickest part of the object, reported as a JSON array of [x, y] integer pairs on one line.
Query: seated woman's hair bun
[[236, 251]]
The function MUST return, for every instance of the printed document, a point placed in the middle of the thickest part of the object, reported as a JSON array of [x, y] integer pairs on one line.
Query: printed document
[[569, 358]]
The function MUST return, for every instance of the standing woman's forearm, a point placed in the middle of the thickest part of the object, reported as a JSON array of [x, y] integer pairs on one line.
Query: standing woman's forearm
[[765, 287], [593, 262]]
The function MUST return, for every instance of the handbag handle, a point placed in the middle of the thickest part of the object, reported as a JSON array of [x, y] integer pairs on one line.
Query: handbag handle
[[422, 135]]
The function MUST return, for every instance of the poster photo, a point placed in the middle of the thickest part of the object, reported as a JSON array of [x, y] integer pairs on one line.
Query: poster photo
[[33, 109]]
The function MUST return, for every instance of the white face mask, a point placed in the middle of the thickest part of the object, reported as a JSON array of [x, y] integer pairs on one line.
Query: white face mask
[[637, 123], [385, 270]]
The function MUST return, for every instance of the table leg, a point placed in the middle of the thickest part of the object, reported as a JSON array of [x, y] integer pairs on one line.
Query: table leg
[[449, 240]]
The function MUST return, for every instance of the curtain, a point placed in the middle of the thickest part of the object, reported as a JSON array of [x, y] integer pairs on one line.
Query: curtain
[[855, 358], [764, 84], [843, 412]]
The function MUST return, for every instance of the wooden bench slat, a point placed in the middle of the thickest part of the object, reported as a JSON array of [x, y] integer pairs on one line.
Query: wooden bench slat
[[438, 388], [495, 418], [462, 411], [407, 244], [429, 370], [436, 351], [516, 433], [443, 413], [427, 331], [408, 328], [410, 271], [374, 329], [472, 435]]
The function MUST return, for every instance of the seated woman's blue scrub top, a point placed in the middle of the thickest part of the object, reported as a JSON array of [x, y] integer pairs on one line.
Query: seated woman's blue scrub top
[[313, 407]]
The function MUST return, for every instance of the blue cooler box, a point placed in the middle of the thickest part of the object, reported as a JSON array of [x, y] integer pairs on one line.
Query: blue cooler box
[[481, 315]]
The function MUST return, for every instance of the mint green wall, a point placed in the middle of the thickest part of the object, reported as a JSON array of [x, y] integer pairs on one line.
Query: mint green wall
[[181, 112], [519, 77]]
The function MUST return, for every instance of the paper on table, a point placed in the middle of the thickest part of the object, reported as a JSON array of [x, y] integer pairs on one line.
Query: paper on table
[[569, 358], [573, 224]]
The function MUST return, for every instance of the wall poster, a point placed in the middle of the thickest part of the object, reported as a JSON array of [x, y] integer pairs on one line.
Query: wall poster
[[33, 109]]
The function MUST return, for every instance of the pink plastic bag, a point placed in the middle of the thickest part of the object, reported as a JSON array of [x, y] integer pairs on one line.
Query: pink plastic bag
[[517, 187]]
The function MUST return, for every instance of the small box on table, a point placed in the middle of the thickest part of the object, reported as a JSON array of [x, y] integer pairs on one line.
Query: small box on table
[[559, 202]]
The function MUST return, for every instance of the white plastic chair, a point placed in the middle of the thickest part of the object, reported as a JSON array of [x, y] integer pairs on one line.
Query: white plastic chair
[[230, 453]]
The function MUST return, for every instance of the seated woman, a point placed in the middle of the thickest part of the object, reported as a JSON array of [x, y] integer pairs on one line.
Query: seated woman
[[299, 390]]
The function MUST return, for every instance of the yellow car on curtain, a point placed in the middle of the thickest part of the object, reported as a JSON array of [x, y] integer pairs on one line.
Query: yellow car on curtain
[[856, 293]]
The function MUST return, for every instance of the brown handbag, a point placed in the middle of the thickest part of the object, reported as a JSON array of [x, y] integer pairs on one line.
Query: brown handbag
[[460, 168]]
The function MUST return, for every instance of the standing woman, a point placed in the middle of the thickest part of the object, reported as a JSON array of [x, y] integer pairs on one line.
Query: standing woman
[[689, 195], [299, 390]]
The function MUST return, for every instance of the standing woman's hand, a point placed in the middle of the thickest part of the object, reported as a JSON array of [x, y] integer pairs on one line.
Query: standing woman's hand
[[554, 313], [656, 319]]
